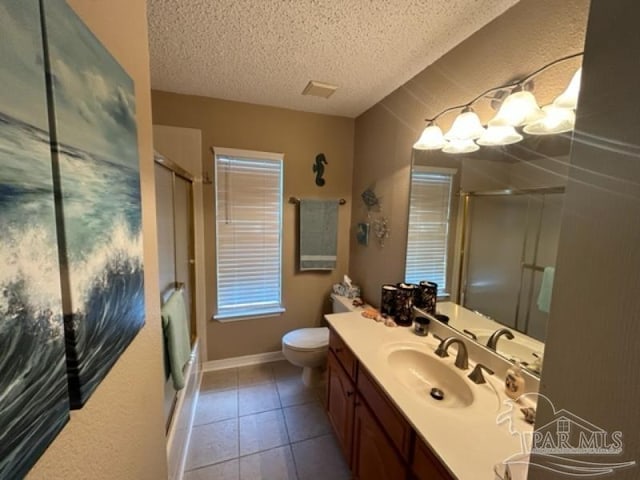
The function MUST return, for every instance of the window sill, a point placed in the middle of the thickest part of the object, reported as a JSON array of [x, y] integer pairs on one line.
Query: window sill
[[230, 317]]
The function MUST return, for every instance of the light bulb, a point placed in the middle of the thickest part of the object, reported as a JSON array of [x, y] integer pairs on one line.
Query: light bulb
[[555, 120], [504, 135], [569, 98], [466, 126], [461, 146], [518, 109], [431, 139]]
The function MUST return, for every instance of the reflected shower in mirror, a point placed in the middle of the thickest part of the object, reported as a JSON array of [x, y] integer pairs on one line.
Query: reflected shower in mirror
[[486, 225]]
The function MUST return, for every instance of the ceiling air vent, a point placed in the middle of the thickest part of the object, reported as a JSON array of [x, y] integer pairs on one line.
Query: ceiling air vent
[[319, 89]]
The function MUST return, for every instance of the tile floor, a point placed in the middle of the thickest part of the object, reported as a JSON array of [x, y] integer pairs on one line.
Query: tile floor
[[262, 423]]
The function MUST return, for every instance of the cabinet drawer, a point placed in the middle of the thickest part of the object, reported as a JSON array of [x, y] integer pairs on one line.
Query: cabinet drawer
[[346, 358], [392, 422], [425, 465]]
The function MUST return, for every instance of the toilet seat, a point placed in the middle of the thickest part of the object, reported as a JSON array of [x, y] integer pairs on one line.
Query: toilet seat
[[307, 339]]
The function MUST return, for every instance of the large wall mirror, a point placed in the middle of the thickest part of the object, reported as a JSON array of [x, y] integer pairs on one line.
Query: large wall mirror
[[485, 226]]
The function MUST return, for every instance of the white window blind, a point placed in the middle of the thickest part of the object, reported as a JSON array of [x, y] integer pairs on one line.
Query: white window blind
[[428, 235], [248, 233]]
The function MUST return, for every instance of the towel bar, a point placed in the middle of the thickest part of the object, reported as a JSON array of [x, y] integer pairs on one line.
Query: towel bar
[[342, 201]]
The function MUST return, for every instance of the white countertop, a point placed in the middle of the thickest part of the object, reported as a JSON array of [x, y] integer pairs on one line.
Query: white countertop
[[467, 440]]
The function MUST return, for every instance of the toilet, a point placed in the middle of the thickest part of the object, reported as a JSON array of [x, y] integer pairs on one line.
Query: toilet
[[308, 347]]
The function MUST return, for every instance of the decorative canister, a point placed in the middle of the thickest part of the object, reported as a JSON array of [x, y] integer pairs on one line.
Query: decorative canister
[[388, 300], [421, 326], [404, 304], [426, 297]]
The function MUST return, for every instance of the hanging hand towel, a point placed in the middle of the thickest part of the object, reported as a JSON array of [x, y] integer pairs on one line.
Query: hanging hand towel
[[318, 234], [544, 297], [174, 323]]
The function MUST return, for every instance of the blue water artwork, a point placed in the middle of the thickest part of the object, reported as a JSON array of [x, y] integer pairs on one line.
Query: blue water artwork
[[34, 403], [96, 164]]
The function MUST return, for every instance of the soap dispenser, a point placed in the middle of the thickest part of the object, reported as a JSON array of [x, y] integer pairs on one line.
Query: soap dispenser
[[514, 382]]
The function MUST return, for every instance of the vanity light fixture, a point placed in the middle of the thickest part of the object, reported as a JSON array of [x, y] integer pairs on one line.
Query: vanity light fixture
[[569, 98], [499, 135], [431, 138], [461, 146], [555, 120], [466, 126], [520, 109]]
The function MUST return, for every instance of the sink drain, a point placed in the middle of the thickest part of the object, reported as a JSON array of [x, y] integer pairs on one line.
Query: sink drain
[[437, 394]]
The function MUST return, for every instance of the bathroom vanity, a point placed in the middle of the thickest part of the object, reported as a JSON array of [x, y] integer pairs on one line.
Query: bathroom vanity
[[388, 425]]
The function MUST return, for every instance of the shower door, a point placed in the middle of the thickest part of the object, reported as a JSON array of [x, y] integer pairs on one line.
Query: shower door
[[511, 238]]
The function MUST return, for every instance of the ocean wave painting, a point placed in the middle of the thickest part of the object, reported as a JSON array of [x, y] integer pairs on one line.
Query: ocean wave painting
[[96, 168], [34, 401]]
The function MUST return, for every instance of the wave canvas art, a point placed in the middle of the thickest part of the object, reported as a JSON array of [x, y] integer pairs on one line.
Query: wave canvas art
[[95, 153], [34, 403]]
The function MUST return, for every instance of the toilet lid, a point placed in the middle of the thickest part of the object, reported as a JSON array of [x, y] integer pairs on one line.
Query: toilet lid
[[307, 338]]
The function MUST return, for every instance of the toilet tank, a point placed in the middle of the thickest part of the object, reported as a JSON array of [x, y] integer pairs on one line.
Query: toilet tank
[[342, 304]]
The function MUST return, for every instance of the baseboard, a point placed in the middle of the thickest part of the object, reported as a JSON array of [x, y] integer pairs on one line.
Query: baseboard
[[213, 365]]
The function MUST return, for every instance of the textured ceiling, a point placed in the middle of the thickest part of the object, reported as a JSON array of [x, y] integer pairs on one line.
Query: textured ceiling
[[266, 51]]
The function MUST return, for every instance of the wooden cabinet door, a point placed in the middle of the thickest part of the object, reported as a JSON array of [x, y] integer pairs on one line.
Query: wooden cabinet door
[[340, 404], [425, 465], [374, 457]]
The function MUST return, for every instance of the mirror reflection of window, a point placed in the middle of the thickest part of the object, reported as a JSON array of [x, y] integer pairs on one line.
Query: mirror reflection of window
[[429, 226]]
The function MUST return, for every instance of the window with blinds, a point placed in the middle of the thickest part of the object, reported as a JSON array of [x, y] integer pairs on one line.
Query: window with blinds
[[248, 196], [428, 235]]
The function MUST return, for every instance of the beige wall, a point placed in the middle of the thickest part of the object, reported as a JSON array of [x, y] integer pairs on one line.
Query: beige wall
[[300, 136], [119, 432], [592, 354], [527, 36]]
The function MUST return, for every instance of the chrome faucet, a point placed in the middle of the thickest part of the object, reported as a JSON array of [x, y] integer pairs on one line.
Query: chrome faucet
[[462, 358], [493, 339]]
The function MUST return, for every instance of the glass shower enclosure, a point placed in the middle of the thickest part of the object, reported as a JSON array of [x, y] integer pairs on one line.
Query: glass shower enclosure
[[509, 238]]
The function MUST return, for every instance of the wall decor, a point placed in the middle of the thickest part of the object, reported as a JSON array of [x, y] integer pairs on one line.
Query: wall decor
[[370, 199], [318, 168], [362, 234], [34, 403], [95, 152], [381, 229]]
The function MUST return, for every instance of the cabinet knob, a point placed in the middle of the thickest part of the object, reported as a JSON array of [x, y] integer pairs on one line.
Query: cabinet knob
[[349, 393], [338, 349]]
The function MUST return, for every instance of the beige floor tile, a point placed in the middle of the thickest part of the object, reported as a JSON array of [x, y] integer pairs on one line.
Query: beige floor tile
[[293, 392], [213, 443], [258, 398], [306, 421], [276, 464], [221, 471], [220, 380], [320, 458], [255, 375], [214, 406], [285, 370], [262, 431]]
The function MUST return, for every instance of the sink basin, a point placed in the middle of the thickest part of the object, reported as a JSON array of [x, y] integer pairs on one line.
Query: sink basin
[[420, 372]]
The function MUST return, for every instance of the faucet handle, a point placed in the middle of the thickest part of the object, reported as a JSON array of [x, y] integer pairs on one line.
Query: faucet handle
[[441, 351], [471, 334], [476, 374], [439, 338]]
